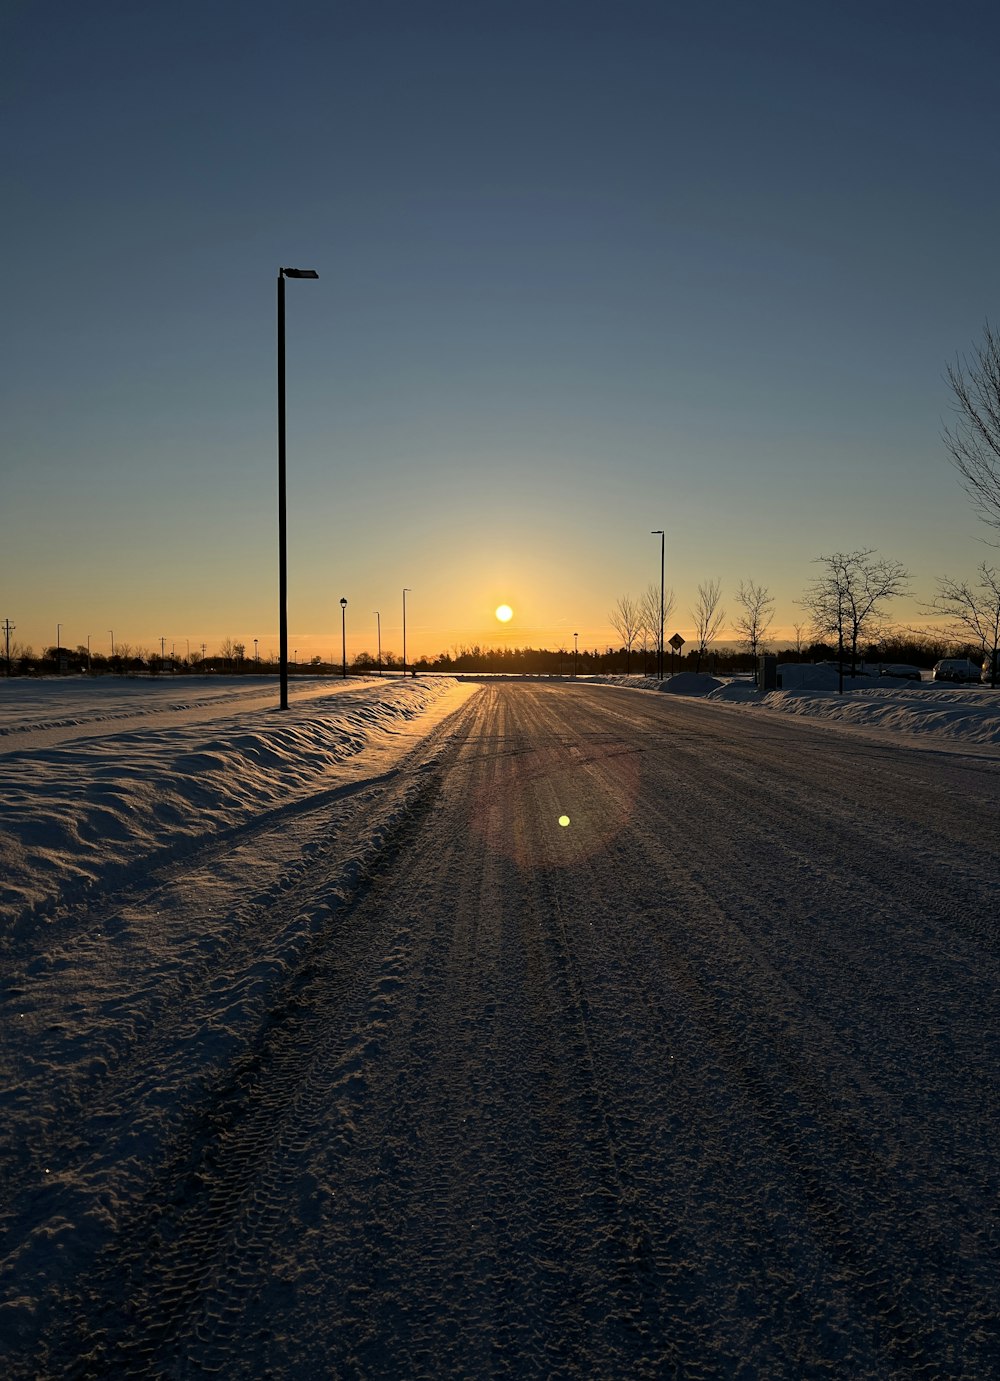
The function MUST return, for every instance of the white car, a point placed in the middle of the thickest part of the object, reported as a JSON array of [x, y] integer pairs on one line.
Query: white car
[[957, 669]]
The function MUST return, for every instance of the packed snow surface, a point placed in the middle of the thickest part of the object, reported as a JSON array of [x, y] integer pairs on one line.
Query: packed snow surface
[[508, 1029]]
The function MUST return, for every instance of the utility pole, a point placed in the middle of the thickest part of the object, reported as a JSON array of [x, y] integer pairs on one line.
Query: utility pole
[[8, 629], [658, 532]]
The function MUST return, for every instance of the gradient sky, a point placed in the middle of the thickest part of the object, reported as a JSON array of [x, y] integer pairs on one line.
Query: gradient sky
[[586, 269]]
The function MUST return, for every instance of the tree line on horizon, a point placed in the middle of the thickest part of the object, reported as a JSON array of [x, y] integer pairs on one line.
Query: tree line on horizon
[[844, 609], [919, 648], [846, 601]]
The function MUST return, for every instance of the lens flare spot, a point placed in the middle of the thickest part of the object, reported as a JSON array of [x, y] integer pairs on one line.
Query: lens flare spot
[[504, 613], [564, 820]]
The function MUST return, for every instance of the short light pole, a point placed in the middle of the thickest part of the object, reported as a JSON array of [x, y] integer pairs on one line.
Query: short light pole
[[576, 652], [282, 537], [256, 656], [58, 641], [343, 637], [378, 627], [406, 592], [88, 654], [112, 632], [658, 532]]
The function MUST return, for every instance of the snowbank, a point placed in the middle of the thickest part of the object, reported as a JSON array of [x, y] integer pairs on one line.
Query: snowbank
[[690, 683], [968, 716], [682, 683], [952, 714], [98, 781]]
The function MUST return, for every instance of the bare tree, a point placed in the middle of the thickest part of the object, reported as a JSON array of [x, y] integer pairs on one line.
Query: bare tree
[[650, 607], [707, 616], [756, 615], [974, 441], [798, 629], [973, 611], [626, 619], [847, 599]]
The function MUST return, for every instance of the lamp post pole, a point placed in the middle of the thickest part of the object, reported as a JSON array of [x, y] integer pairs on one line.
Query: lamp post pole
[[658, 532], [378, 626], [343, 637], [282, 538], [406, 592], [576, 651]]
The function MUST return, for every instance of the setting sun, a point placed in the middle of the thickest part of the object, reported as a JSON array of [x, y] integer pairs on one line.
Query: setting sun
[[505, 613]]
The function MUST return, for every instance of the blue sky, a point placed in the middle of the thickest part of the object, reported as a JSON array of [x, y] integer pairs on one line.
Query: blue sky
[[586, 269]]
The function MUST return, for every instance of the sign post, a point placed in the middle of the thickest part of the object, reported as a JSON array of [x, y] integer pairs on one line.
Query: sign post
[[676, 643]]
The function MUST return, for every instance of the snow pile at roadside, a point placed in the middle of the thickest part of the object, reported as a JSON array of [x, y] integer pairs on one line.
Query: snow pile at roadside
[[955, 714], [970, 716], [87, 806], [681, 683], [690, 683]]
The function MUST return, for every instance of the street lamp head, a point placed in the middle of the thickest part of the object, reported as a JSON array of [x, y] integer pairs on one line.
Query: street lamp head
[[656, 532], [343, 602], [298, 273]]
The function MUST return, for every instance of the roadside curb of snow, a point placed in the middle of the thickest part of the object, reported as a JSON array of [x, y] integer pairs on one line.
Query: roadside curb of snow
[[76, 1206]]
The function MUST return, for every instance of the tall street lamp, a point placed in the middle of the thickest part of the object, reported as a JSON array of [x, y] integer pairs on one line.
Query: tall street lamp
[[343, 636], [658, 532], [576, 651], [406, 592], [378, 626], [282, 540]]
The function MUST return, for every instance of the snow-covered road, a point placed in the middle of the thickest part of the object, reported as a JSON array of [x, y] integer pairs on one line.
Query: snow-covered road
[[702, 1083]]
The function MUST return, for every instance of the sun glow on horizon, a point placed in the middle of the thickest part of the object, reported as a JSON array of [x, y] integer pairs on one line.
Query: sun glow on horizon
[[504, 613]]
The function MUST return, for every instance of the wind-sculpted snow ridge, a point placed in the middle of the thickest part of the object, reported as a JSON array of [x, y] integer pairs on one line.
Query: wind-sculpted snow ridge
[[136, 784]]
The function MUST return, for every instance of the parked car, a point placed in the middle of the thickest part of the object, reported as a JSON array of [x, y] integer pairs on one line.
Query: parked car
[[900, 671], [957, 669]]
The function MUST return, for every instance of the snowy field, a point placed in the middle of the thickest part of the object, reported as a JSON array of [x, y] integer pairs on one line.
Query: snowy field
[[440, 1028]]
